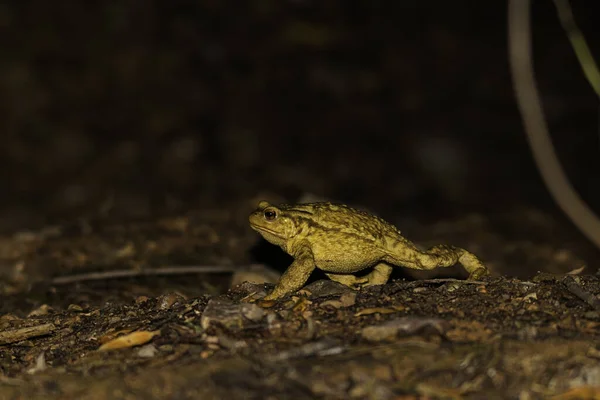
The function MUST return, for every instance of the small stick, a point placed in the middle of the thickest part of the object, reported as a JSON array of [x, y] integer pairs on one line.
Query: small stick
[[463, 281], [574, 287], [444, 280], [325, 346], [17, 335], [11, 381], [116, 274]]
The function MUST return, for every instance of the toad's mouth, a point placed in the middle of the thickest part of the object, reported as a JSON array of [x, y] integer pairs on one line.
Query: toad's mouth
[[261, 228]]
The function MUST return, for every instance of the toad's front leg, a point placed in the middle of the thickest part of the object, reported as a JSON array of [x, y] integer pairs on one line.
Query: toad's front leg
[[296, 275]]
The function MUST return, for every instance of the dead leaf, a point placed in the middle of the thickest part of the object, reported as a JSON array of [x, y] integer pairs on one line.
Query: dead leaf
[[439, 392], [580, 393], [111, 334], [576, 271], [468, 331], [301, 305], [40, 364], [126, 251], [331, 303], [130, 340], [379, 310], [530, 297]]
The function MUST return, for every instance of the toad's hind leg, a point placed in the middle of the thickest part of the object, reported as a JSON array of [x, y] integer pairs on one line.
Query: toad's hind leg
[[347, 279], [380, 275], [441, 256]]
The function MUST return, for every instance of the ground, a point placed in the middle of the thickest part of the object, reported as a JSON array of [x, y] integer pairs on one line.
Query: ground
[[138, 136], [193, 337]]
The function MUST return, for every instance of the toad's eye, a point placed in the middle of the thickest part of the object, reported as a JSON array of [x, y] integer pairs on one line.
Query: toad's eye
[[270, 215]]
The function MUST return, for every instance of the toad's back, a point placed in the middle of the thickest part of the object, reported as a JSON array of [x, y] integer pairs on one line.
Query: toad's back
[[340, 221]]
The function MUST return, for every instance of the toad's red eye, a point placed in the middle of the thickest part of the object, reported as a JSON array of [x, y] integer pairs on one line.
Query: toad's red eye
[[270, 215]]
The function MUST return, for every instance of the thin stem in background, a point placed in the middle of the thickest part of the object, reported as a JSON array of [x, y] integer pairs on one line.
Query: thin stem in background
[[536, 129], [582, 50]]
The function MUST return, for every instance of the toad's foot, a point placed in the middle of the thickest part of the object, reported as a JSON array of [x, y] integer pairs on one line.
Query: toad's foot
[[468, 260]]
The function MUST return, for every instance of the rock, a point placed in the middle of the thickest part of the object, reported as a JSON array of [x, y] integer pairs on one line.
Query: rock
[[255, 274], [141, 299], [147, 351], [345, 300], [248, 291], [252, 312], [230, 315], [348, 299], [75, 308], [405, 326], [166, 301], [325, 287]]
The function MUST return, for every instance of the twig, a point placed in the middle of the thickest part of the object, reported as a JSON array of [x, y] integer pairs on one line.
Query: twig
[[574, 287], [17, 335], [116, 274], [444, 280], [11, 381], [536, 129], [325, 346], [462, 281]]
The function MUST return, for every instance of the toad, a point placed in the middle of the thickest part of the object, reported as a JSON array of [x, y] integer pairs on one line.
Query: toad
[[341, 241]]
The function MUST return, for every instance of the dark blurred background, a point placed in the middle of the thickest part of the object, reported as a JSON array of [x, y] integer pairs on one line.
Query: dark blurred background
[[131, 109]]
